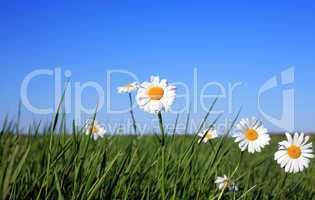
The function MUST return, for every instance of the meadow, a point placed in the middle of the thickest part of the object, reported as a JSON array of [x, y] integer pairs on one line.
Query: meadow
[[58, 164], [59, 161]]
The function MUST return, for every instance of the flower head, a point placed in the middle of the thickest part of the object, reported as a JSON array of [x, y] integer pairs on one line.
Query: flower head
[[251, 135], [156, 95], [294, 153], [128, 88], [207, 135], [96, 129], [225, 182]]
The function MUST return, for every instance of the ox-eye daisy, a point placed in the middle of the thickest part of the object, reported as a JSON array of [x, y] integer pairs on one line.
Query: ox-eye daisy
[[225, 182], [251, 135], [294, 153], [96, 129], [207, 135], [128, 88], [156, 95]]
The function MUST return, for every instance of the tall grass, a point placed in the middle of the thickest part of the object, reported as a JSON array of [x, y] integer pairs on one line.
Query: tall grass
[[56, 164]]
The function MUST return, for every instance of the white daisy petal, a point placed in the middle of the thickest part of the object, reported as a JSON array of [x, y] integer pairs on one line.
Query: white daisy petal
[[301, 166], [288, 166], [307, 151], [155, 79], [283, 161], [128, 88], [145, 85], [239, 138], [289, 138], [295, 138], [164, 83], [307, 146], [308, 155], [279, 154], [284, 143], [300, 139], [305, 140]]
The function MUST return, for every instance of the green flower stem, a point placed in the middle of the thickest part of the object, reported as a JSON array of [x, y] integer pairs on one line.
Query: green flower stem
[[132, 114], [163, 173], [162, 155], [161, 129]]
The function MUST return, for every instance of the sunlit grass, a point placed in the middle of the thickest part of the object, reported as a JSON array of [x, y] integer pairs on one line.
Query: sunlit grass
[[55, 165]]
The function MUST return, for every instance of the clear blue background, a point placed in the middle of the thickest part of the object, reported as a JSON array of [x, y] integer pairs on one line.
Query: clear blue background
[[228, 41]]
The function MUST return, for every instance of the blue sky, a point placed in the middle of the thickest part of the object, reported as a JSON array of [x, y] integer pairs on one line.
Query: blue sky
[[227, 41]]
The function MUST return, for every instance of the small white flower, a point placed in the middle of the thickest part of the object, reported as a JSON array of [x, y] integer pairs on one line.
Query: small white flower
[[128, 88], [207, 135], [294, 153], [251, 135], [96, 131], [156, 96], [225, 182]]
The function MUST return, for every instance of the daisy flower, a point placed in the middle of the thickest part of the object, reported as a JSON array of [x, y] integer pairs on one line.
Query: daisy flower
[[156, 95], [251, 135], [225, 182], [128, 88], [207, 135], [96, 131], [294, 153]]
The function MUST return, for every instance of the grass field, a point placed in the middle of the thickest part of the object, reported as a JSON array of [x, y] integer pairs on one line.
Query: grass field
[[58, 165]]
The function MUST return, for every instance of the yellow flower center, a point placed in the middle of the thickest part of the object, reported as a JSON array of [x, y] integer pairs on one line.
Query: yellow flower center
[[155, 93], [294, 152], [209, 135], [251, 134], [130, 85], [226, 183], [95, 129]]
